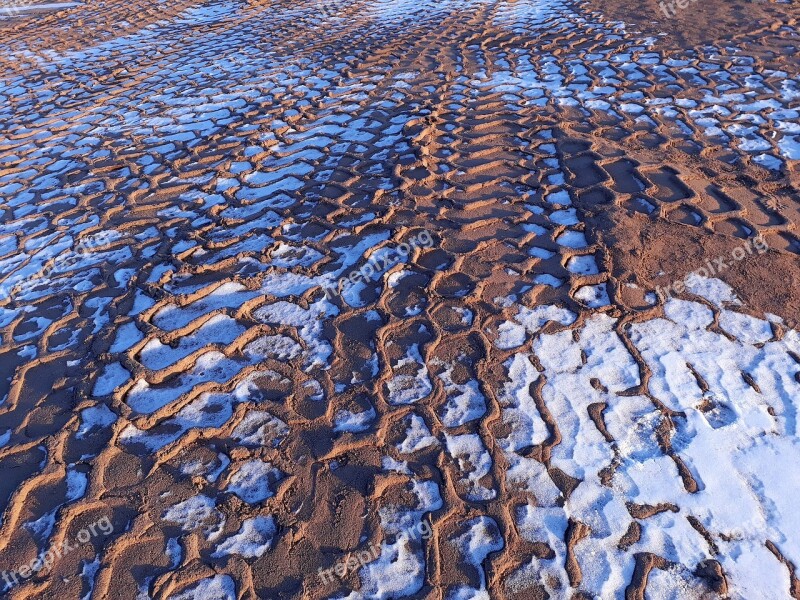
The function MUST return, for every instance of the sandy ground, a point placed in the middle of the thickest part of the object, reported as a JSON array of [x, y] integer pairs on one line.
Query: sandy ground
[[699, 23], [430, 299]]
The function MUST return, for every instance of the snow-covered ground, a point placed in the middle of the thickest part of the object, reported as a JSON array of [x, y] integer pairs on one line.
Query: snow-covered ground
[[180, 201]]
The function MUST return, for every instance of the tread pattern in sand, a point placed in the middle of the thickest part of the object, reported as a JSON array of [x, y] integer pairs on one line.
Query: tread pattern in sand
[[177, 193]]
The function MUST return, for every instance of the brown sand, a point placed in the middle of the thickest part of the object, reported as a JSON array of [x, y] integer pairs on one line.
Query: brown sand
[[467, 166], [699, 22]]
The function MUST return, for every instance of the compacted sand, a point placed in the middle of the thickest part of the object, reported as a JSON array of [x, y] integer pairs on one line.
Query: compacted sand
[[400, 299]]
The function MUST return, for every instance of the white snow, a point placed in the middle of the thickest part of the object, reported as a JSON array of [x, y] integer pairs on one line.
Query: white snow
[[252, 540], [253, 481]]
